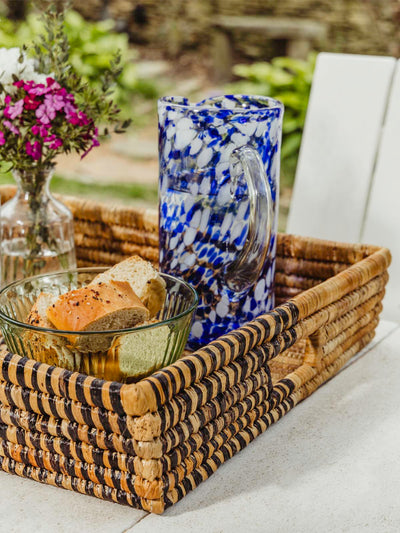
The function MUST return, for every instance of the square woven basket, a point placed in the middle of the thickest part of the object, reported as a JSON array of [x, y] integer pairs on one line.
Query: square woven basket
[[148, 444]]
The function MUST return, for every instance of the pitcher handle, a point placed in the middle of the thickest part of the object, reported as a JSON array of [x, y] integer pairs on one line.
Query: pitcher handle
[[245, 270]]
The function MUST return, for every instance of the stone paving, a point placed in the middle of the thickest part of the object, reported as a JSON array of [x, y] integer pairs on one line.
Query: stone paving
[[125, 158]]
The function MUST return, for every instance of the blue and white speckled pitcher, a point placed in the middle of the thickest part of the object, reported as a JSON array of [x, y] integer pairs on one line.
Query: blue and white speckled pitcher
[[219, 189]]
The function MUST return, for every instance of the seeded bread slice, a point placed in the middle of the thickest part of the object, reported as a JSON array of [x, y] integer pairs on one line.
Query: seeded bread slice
[[37, 315], [45, 347], [97, 307], [143, 278]]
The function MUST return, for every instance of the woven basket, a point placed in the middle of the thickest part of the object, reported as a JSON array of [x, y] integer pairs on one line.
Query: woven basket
[[147, 444]]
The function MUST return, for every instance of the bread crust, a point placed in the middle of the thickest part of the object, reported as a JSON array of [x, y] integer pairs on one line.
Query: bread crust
[[143, 278], [81, 309], [45, 347]]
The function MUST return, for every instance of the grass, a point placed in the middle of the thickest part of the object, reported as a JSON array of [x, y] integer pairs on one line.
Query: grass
[[123, 192]]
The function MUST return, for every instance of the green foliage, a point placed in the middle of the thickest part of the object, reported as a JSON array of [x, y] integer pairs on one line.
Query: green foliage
[[54, 110], [288, 80], [92, 46]]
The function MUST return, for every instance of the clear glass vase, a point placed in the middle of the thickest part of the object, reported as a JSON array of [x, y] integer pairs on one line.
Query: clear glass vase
[[37, 234]]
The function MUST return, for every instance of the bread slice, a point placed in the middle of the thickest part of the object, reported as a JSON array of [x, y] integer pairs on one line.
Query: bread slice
[[55, 349], [97, 307], [37, 315], [143, 278], [140, 353], [127, 357], [45, 347]]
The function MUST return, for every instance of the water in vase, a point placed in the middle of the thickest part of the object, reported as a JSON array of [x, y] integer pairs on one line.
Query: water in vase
[[16, 263]]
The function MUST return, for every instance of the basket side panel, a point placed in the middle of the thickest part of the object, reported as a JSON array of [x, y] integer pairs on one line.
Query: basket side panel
[[102, 492], [298, 386]]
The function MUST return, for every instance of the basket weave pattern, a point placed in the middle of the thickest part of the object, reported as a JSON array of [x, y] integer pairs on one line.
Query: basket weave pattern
[[148, 444]]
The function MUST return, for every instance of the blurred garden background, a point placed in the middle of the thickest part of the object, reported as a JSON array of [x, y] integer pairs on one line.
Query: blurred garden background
[[198, 48]]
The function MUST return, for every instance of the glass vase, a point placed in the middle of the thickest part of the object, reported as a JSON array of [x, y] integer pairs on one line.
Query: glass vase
[[37, 233]]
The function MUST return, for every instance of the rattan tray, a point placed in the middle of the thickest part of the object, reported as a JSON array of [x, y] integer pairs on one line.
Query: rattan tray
[[148, 444]]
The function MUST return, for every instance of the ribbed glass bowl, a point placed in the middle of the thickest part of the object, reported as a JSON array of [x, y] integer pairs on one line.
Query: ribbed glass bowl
[[131, 354]]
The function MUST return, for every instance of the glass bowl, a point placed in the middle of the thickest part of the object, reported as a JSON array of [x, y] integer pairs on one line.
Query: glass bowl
[[130, 354]]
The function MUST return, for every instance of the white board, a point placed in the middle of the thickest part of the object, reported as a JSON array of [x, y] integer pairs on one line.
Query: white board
[[341, 135], [382, 224]]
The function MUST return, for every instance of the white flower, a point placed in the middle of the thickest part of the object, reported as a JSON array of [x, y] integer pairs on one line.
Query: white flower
[[10, 64]]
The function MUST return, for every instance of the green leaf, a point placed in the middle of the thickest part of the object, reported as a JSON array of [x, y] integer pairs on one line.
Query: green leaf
[[296, 66], [291, 124], [293, 100]]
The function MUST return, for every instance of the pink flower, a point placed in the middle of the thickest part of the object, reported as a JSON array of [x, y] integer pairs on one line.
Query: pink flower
[[39, 130], [40, 104], [39, 89], [45, 113], [34, 150], [52, 85], [35, 89], [11, 127], [69, 109], [84, 121], [67, 96], [55, 144], [54, 101], [73, 118], [95, 143], [15, 110], [31, 103]]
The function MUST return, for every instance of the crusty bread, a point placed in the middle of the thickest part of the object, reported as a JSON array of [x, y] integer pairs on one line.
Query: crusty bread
[[57, 350], [129, 294], [97, 307], [45, 347], [37, 315], [143, 278], [140, 353], [130, 357]]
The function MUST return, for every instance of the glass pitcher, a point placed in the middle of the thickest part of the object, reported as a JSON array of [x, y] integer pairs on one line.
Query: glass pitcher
[[218, 205]]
